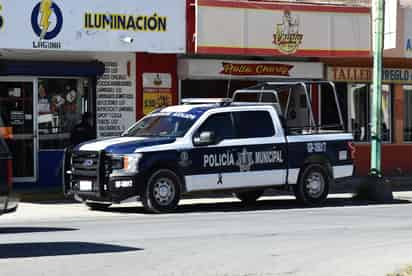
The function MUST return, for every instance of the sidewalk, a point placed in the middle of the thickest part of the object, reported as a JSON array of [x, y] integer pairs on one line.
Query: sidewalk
[[399, 183], [405, 195]]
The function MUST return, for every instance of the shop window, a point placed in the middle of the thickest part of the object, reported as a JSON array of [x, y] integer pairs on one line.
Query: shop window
[[407, 132], [359, 107], [61, 103]]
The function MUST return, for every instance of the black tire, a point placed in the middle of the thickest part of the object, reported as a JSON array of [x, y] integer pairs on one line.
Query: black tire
[[98, 206], [249, 197], [313, 185], [162, 193]]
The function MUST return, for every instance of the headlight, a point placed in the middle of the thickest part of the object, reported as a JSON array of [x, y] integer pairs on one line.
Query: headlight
[[131, 162], [128, 163]]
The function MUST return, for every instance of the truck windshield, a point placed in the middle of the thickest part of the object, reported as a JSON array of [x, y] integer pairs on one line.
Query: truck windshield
[[161, 126]]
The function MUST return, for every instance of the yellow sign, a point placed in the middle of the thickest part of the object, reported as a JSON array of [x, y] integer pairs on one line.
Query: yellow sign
[[154, 100], [46, 12]]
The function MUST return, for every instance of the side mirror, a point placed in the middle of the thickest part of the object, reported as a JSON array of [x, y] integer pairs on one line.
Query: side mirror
[[204, 139]]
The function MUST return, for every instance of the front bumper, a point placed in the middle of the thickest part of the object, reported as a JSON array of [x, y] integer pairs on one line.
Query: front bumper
[[109, 192], [91, 176]]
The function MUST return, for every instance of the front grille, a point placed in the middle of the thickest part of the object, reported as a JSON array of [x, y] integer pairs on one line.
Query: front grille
[[86, 163]]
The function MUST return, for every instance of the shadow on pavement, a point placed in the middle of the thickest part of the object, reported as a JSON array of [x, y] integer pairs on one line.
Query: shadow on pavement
[[258, 206], [42, 249], [49, 201], [20, 230]]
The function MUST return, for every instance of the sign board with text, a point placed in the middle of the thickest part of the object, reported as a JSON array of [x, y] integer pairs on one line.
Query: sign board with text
[[364, 75], [280, 29], [116, 95], [246, 69], [93, 25], [157, 91]]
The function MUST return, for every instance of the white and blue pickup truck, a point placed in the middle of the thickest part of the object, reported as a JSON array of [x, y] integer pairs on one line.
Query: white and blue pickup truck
[[241, 145]]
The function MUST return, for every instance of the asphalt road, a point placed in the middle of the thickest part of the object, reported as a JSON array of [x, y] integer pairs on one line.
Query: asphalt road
[[276, 237]]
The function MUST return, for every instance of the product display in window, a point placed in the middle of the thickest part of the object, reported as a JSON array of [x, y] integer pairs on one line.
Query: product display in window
[[61, 104], [44, 103]]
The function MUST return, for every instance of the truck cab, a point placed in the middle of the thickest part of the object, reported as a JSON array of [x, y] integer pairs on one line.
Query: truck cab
[[209, 145]]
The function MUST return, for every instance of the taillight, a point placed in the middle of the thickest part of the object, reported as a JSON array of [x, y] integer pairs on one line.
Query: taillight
[[352, 150], [10, 174]]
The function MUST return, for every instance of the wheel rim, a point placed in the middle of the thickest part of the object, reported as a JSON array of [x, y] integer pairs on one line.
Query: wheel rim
[[164, 191], [315, 184]]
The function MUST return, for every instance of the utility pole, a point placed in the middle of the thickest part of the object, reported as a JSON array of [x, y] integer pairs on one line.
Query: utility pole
[[378, 188], [376, 115]]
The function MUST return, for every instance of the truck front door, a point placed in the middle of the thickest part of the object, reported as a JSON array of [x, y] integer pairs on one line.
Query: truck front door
[[247, 152]]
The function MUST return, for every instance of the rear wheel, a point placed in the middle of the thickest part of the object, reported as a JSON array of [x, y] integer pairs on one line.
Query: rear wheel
[[249, 197], [97, 206], [162, 192], [313, 185]]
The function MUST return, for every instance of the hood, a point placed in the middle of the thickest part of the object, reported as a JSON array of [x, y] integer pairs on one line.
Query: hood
[[124, 145]]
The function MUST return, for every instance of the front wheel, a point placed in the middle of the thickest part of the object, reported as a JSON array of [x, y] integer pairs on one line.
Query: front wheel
[[162, 192], [249, 197], [313, 185]]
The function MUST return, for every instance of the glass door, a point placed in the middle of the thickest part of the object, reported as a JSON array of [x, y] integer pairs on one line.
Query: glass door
[[358, 105], [17, 104], [359, 101]]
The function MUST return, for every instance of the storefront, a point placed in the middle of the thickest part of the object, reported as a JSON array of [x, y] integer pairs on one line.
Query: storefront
[[59, 60], [355, 88], [283, 30], [353, 77], [41, 109], [236, 44], [202, 78]]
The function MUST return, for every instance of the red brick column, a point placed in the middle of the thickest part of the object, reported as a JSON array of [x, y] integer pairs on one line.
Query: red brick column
[[398, 114]]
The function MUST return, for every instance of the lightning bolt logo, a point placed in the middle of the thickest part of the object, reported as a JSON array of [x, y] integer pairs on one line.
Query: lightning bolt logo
[[46, 12]]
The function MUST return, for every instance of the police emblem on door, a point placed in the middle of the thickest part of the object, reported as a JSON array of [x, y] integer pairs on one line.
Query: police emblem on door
[[245, 160], [185, 159]]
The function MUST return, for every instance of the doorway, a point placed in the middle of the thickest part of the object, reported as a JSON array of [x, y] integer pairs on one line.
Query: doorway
[[18, 106]]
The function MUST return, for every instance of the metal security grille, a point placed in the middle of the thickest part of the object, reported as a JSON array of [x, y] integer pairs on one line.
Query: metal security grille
[[89, 166]]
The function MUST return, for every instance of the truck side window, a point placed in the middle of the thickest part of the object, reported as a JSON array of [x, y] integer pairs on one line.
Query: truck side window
[[253, 124], [221, 124]]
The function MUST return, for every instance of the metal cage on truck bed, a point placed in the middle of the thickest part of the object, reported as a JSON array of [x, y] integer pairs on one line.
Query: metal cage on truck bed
[[287, 97]]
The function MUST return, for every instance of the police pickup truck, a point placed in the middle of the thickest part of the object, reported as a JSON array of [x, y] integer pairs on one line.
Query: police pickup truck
[[241, 145]]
